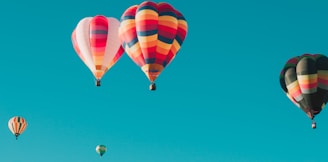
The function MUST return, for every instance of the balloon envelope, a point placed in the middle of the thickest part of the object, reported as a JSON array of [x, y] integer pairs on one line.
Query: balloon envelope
[[101, 149], [152, 34], [17, 125], [96, 42], [304, 79]]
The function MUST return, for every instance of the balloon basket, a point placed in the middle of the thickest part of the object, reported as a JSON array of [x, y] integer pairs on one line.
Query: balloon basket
[[152, 87], [98, 83], [314, 125]]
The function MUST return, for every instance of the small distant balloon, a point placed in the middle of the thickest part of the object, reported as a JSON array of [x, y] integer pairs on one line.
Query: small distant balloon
[[17, 125], [101, 150]]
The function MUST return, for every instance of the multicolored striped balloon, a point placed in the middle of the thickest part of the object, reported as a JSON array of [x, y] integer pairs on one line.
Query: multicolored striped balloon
[[17, 125], [152, 34], [305, 81], [96, 41]]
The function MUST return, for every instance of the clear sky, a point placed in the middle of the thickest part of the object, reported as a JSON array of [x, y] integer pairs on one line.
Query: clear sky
[[219, 100]]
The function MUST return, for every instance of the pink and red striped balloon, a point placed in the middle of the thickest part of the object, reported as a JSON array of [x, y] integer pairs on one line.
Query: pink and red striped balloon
[[96, 41]]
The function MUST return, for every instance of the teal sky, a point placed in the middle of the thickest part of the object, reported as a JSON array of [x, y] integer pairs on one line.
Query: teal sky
[[218, 101]]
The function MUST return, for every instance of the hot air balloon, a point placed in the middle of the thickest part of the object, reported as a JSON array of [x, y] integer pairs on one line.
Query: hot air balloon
[[101, 149], [152, 34], [304, 79], [17, 125], [96, 42]]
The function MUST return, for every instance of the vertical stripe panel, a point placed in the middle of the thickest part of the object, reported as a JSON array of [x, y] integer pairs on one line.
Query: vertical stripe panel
[[323, 79], [98, 39], [295, 91], [308, 83], [147, 28], [179, 38], [167, 30], [128, 36]]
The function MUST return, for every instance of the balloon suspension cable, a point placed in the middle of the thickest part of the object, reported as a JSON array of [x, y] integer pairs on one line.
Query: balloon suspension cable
[[98, 82], [152, 86]]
